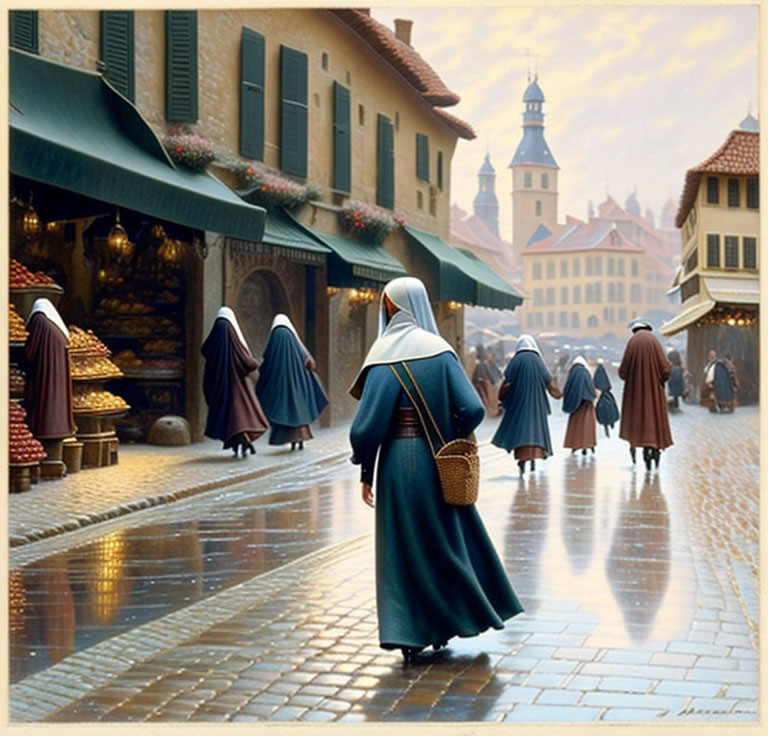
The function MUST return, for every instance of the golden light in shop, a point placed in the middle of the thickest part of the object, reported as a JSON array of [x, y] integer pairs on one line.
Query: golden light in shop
[[30, 223], [118, 241], [110, 584]]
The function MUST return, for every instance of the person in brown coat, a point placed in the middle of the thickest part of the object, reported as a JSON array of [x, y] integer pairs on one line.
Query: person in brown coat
[[235, 415], [485, 379], [644, 369], [49, 377]]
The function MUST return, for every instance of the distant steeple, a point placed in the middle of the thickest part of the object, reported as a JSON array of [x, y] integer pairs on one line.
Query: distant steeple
[[750, 122], [533, 149], [632, 205], [485, 204], [590, 211]]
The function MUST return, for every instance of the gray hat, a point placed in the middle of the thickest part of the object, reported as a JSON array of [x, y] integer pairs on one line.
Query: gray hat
[[639, 324]]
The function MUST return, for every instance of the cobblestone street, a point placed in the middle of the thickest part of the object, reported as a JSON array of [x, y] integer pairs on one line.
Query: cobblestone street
[[640, 594]]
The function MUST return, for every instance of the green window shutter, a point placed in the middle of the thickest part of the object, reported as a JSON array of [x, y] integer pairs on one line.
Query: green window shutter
[[293, 111], [422, 156], [341, 138], [181, 66], [252, 95], [439, 169], [385, 179], [23, 30], [117, 50]]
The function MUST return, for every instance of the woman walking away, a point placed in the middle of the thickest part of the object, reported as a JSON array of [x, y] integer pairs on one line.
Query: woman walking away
[[606, 409], [288, 388], [676, 384], [485, 378], [437, 572], [524, 427], [644, 369], [234, 413], [578, 395]]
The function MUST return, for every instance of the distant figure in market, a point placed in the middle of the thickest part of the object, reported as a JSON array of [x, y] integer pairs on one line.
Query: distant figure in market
[[437, 572], [578, 402], [49, 376], [606, 409], [288, 388], [676, 384], [485, 379], [644, 420], [718, 391], [234, 413], [524, 427]]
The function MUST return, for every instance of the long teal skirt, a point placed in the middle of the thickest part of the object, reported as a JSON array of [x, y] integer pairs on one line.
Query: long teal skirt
[[437, 573]]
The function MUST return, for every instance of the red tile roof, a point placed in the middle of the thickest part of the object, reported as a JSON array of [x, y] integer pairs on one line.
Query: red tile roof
[[739, 156], [596, 234], [399, 54], [458, 126], [473, 231]]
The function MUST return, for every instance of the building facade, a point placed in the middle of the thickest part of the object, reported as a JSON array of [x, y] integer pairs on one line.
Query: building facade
[[719, 218]]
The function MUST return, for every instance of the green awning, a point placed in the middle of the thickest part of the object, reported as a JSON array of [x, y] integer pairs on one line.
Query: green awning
[[461, 276], [285, 238], [71, 129]]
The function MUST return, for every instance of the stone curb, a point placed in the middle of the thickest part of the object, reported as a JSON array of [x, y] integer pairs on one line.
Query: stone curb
[[39, 696], [139, 504]]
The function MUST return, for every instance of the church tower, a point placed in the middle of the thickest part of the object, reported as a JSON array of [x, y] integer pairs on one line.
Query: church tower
[[534, 176], [485, 204]]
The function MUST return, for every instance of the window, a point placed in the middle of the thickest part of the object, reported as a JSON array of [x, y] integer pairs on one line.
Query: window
[[713, 190], [607, 314], [620, 266], [538, 208], [575, 320], [293, 111], [576, 267], [753, 193], [360, 115], [117, 50], [692, 261], [564, 269], [598, 292], [635, 267], [539, 319], [563, 295], [731, 251], [397, 120], [550, 269], [713, 250], [636, 293], [550, 295], [529, 319], [611, 266], [733, 192], [181, 66], [577, 294], [620, 291], [550, 319], [324, 61], [750, 252], [589, 266], [538, 297], [422, 156], [611, 292], [385, 172], [252, 95], [537, 270], [433, 202], [622, 314], [545, 181], [598, 265], [527, 180], [342, 155], [563, 319], [592, 321], [439, 169], [588, 295], [420, 199], [23, 30]]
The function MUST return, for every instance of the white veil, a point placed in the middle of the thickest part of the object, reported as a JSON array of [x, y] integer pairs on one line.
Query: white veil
[[526, 342], [45, 306], [227, 314]]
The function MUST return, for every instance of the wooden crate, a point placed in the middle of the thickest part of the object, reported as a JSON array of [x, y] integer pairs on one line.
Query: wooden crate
[[19, 478]]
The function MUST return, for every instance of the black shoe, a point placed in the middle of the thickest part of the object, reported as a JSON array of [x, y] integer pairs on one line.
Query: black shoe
[[409, 654], [533, 465], [593, 450], [439, 646], [584, 451], [607, 431], [251, 448], [293, 446], [301, 445], [573, 452], [647, 457], [521, 466], [633, 455], [656, 457]]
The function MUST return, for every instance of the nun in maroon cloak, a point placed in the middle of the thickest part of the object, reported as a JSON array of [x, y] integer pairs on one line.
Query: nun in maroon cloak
[[644, 369], [578, 397], [234, 413], [49, 377]]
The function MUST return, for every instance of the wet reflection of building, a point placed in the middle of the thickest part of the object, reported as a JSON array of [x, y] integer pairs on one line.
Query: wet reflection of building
[[525, 538], [104, 581], [638, 562], [17, 625], [578, 515]]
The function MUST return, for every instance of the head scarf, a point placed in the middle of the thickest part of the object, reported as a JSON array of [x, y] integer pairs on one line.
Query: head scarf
[[580, 360], [227, 314], [408, 294], [639, 324], [526, 342], [282, 320], [44, 306]]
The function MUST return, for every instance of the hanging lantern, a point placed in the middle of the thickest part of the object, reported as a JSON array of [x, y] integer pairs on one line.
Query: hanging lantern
[[171, 251], [30, 223], [118, 241]]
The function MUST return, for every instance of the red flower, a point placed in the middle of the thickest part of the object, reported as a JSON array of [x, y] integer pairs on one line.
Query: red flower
[[250, 170], [179, 149]]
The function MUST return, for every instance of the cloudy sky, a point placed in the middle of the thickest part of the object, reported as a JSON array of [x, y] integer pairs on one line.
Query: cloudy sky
[[634, 95]]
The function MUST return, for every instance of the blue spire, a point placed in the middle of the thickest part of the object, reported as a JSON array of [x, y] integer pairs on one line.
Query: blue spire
[[533, 149]]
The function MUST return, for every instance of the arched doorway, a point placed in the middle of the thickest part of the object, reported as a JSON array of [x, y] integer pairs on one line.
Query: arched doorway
[[261, 296]]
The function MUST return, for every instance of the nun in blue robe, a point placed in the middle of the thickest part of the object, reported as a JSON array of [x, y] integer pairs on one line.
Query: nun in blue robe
[[606, 409], [288, 388], [234, 414], [578, 397], [437, 572], [524, 426]]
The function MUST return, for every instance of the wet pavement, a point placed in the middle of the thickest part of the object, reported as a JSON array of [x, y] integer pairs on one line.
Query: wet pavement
[[257, 602]]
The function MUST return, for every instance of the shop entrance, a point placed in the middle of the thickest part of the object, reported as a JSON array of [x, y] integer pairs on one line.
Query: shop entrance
[[261, 296]]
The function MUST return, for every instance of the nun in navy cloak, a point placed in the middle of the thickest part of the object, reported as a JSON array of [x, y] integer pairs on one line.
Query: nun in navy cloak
[[524, 426], [234, 413], [606, 409], [437, 572], [288, 388], [578, 395]]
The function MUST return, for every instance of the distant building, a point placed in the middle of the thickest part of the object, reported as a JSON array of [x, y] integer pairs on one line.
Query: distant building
[[485, 204], [471, 233], [719, 279]]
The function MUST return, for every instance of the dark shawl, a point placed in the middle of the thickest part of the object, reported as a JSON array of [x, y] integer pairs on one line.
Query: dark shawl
[[288, 390], [723, 383], [49, 380], [526, 405], [606, 409], [644, 370], [232, 404], [676, 385], [578, 388]]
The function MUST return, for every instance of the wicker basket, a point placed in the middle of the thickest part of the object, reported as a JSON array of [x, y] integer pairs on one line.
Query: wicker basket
[[458, 466]]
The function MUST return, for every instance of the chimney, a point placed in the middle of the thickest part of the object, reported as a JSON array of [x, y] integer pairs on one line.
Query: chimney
[[403, 30]]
